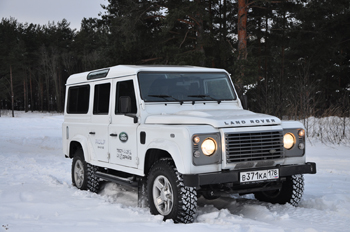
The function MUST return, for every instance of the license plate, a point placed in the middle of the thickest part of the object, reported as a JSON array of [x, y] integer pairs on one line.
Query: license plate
[[271, 174]]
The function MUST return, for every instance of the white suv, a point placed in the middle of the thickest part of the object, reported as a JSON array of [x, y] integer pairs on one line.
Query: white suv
[[177, 133]]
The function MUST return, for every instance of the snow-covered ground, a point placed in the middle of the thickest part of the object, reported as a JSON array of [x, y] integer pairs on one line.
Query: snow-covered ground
[[36, 192]]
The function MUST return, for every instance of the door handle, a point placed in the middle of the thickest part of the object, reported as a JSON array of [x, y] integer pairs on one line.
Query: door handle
[[113, 135], [92, 133]]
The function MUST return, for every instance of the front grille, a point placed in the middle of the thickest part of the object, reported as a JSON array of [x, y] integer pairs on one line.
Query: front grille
[[253, 146]]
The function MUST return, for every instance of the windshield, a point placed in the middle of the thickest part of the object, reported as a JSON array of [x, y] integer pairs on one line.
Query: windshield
[[181, 87]]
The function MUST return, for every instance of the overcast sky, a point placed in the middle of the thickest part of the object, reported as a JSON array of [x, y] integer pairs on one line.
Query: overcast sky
[[43, 11]]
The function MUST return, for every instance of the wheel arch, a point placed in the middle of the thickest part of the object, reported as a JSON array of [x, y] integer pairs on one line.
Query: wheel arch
[[164, 149], [152, 155], [78, 142]]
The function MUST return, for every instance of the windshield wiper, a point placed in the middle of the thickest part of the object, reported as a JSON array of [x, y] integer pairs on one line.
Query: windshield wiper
[[165, 97], [205, 96]]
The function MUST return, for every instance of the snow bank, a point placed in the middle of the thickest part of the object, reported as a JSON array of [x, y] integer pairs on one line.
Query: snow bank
[[36, 192]]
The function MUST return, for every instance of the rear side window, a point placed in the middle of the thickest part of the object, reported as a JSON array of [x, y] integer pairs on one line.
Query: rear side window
[[101, 98], [78, 99]]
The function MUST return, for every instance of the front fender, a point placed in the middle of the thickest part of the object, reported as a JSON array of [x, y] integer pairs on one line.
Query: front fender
[[173, 149]]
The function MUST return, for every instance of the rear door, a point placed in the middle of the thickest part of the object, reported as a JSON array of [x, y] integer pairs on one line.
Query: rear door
[[100, 120]]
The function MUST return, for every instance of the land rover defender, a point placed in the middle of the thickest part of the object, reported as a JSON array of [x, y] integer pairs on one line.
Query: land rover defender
[[176, 133]]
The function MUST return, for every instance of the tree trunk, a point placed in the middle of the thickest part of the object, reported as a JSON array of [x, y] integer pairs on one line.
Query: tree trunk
[[59, 91], [52, 67], [282, 65], [200, 34], [31, 93], [48, 94], [41, 87], [224, 22], [25, 94], [265, 69], [12, 95], [224, 31], [242, 42], [242, 29], [259, 87]]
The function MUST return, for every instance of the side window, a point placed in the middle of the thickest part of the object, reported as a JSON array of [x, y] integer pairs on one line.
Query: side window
[[125, 93], [101, 98], [78, 99]]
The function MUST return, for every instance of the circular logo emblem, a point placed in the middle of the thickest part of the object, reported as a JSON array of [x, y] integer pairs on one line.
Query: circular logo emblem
[[123, 137]]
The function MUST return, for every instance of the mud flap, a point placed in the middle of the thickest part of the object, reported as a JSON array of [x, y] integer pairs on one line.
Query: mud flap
[[142, 200]]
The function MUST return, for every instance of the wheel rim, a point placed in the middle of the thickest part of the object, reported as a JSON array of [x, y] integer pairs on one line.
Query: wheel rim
[[163, 196], [79, 173]]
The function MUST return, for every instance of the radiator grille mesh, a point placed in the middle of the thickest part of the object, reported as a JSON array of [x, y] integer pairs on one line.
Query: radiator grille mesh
[[242, 147]]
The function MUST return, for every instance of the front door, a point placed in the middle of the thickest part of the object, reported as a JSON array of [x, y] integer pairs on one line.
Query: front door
[[122, 130]]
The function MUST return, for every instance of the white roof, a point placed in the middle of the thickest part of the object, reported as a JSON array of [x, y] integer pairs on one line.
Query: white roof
[[127, 70]]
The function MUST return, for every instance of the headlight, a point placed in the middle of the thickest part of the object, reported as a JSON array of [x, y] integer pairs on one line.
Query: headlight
[[208, 147], [288, 141]]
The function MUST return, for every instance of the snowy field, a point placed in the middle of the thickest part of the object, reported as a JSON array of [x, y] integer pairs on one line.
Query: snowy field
[[36, 192]]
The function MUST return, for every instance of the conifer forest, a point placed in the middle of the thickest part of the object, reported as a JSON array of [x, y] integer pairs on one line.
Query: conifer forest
[[288, 58]]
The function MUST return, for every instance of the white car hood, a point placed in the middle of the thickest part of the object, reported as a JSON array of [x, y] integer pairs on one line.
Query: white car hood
[[215, 118]]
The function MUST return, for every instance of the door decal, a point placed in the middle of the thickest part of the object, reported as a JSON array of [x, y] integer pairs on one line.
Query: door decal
[[123, 154], [123, 137]]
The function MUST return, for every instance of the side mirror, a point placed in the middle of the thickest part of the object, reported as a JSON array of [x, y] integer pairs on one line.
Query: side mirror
[[244, 100], [125, 107]]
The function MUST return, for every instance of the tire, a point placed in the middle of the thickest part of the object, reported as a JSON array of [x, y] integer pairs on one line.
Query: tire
[[83, 174], [291, 192], [173, 199]]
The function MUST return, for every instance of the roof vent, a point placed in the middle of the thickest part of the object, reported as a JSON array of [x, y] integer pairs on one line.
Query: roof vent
[[98, 74]]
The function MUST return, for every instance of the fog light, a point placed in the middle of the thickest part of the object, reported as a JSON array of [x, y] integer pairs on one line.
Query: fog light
[[301, 146], [196, 154]]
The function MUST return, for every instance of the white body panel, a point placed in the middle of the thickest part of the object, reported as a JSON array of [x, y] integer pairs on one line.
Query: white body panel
[[168, 126]]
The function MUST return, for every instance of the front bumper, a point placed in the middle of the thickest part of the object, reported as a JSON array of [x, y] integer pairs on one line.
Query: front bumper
[[232, 176]]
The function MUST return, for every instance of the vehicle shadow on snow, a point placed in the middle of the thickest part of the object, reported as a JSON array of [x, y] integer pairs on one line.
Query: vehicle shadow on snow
[[225, 207], [245, 207], [114, 193]]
